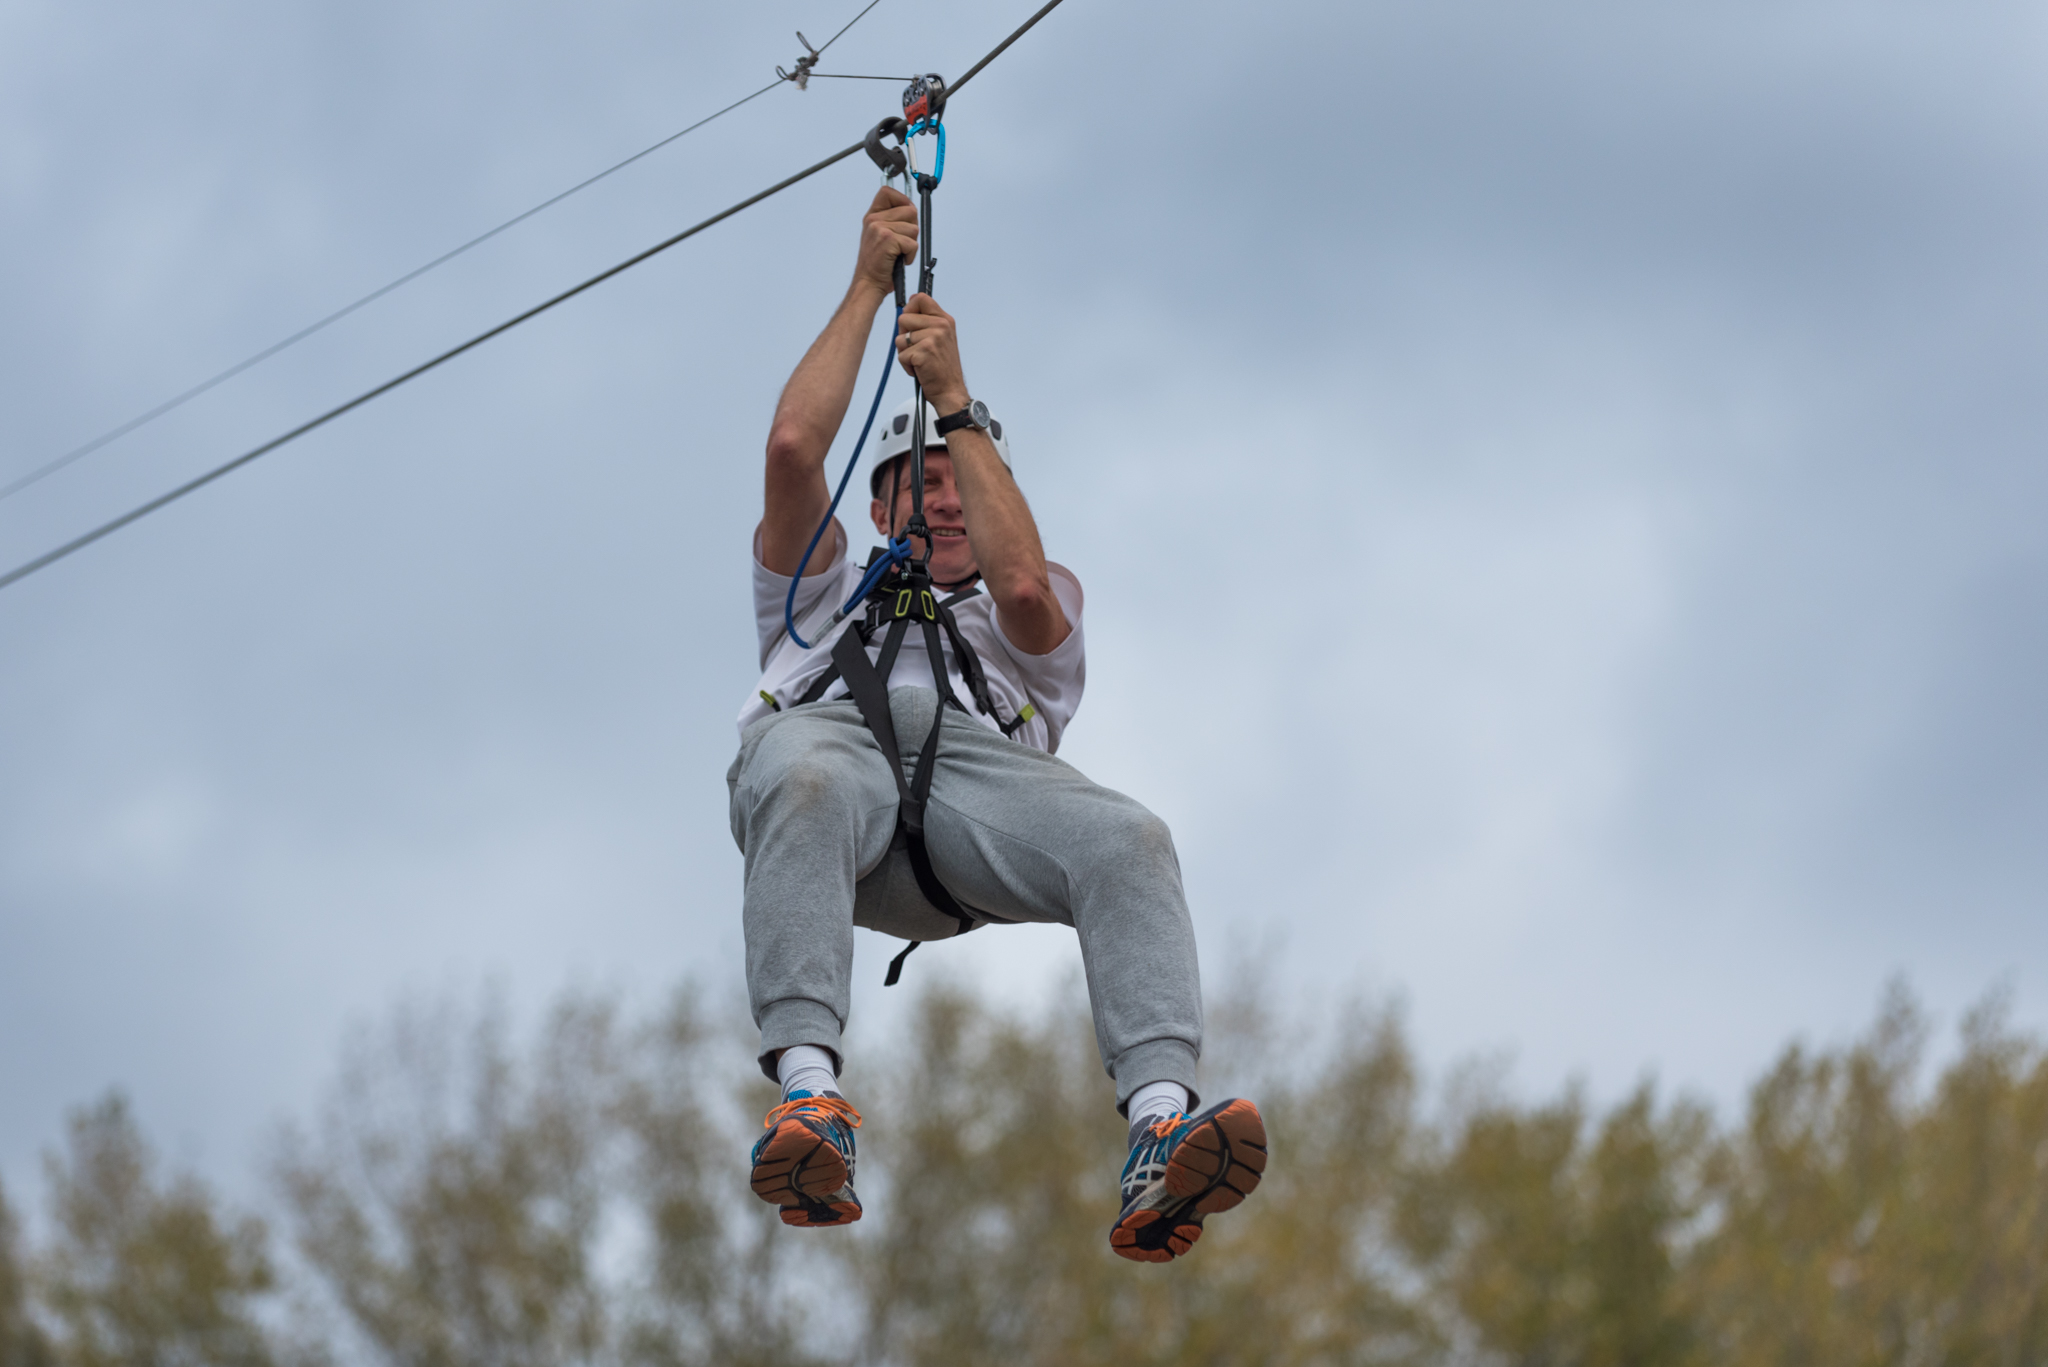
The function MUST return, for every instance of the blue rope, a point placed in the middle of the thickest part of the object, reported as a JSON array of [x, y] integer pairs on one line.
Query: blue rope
[[852, 463], [898, 552]]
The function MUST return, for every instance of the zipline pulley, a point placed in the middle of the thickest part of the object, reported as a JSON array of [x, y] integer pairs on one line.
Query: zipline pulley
[[924, 98]]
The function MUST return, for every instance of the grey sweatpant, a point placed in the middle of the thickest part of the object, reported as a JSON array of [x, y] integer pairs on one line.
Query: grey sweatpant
[[1012, 831]]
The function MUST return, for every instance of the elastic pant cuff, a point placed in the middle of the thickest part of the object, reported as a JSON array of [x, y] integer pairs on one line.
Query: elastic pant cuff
[[1156, 1060], [798, 1020]]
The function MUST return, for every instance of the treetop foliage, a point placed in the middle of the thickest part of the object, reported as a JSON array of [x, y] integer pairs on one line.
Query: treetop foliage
[[579, 1198]]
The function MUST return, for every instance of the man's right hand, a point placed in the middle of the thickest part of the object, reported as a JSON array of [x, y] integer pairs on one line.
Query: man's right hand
[[887, 233]]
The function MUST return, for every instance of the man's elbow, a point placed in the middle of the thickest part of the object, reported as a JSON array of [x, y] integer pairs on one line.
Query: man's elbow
[[1024, 595], [788, 451], [1032, 616]]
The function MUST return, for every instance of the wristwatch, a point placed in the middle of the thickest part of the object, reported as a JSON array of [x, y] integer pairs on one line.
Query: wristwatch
[[974, 415]]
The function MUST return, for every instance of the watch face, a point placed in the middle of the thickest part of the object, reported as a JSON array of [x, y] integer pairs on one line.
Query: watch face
[[978, 411]]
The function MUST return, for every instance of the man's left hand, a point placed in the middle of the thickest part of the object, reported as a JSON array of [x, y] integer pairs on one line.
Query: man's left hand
[[930, 350]]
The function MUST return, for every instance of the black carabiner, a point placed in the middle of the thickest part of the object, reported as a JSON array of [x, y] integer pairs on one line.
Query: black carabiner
[[892, 162], [889, 160]]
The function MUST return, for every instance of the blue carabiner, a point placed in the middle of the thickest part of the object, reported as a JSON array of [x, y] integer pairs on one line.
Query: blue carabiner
[[933, 126]]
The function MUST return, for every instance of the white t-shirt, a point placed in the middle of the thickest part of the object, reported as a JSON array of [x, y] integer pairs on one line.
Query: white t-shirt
[[1050, 684]]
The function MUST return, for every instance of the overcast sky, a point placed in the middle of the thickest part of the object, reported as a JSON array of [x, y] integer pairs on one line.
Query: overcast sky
[[1559, 488]]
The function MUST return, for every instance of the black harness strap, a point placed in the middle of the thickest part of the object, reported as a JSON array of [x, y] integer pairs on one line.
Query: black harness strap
[[867, 684], [963, 651], [972, 672], [818, 686], [867, 681]]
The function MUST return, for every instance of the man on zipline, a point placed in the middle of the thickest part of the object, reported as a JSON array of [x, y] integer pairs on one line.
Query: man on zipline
[[1011, 833]]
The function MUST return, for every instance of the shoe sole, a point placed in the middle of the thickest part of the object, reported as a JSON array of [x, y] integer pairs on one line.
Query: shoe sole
[[822, 1214], [1221, 1161], [1216, 1166], [1150, 1236], [798, 1168]]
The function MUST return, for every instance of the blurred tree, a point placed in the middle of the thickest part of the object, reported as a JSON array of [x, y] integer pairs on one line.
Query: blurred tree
[[143, 1275], [998, 1147], [1803, 1189], [721, 1267], [1858, 1226], [1552, 1250], [582, 1200], [987, 1181], [1971, 1248], [462, 1204], [1643, 1187], [1311, 1262], [21, 1341], [451, 1199]]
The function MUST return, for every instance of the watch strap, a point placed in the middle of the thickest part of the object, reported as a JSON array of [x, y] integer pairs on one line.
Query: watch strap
[[953, 422]]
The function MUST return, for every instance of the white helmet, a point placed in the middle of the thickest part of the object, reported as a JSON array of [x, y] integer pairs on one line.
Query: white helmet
[[893, 440]]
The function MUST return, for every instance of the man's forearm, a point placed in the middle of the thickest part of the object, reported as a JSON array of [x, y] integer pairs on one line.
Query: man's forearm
[[1006, 544], [999, 523], [814, 402], [807, 417]]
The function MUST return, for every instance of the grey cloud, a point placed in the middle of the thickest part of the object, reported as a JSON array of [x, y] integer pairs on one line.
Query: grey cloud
[[1554, 487]]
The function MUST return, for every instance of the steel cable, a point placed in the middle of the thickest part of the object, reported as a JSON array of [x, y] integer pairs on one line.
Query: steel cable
[[135, 514], [77, 453]]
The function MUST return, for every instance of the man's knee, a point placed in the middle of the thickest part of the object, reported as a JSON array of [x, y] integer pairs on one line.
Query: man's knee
[[1129, 836], [809, 784]]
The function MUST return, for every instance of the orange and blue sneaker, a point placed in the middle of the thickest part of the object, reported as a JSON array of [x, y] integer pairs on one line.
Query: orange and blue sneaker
[[1183, 1169], [805, 1162]]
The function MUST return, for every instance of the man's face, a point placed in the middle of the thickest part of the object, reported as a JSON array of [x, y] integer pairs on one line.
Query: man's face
[[952, 557]]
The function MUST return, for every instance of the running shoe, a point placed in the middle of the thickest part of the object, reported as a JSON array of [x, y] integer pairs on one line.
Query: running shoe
[[1183, 1169], [804, 1163]]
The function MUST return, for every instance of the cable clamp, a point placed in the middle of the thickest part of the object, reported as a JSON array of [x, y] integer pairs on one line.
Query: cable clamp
[[802, 74]]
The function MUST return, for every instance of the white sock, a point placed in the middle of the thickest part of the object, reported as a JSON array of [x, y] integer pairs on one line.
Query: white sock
[[806, 1068], [1156, 1101]]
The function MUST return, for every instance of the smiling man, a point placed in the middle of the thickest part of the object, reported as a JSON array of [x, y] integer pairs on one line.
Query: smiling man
[[834, 837]]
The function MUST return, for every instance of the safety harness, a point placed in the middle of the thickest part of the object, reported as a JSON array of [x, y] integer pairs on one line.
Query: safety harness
[[896, 585]]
